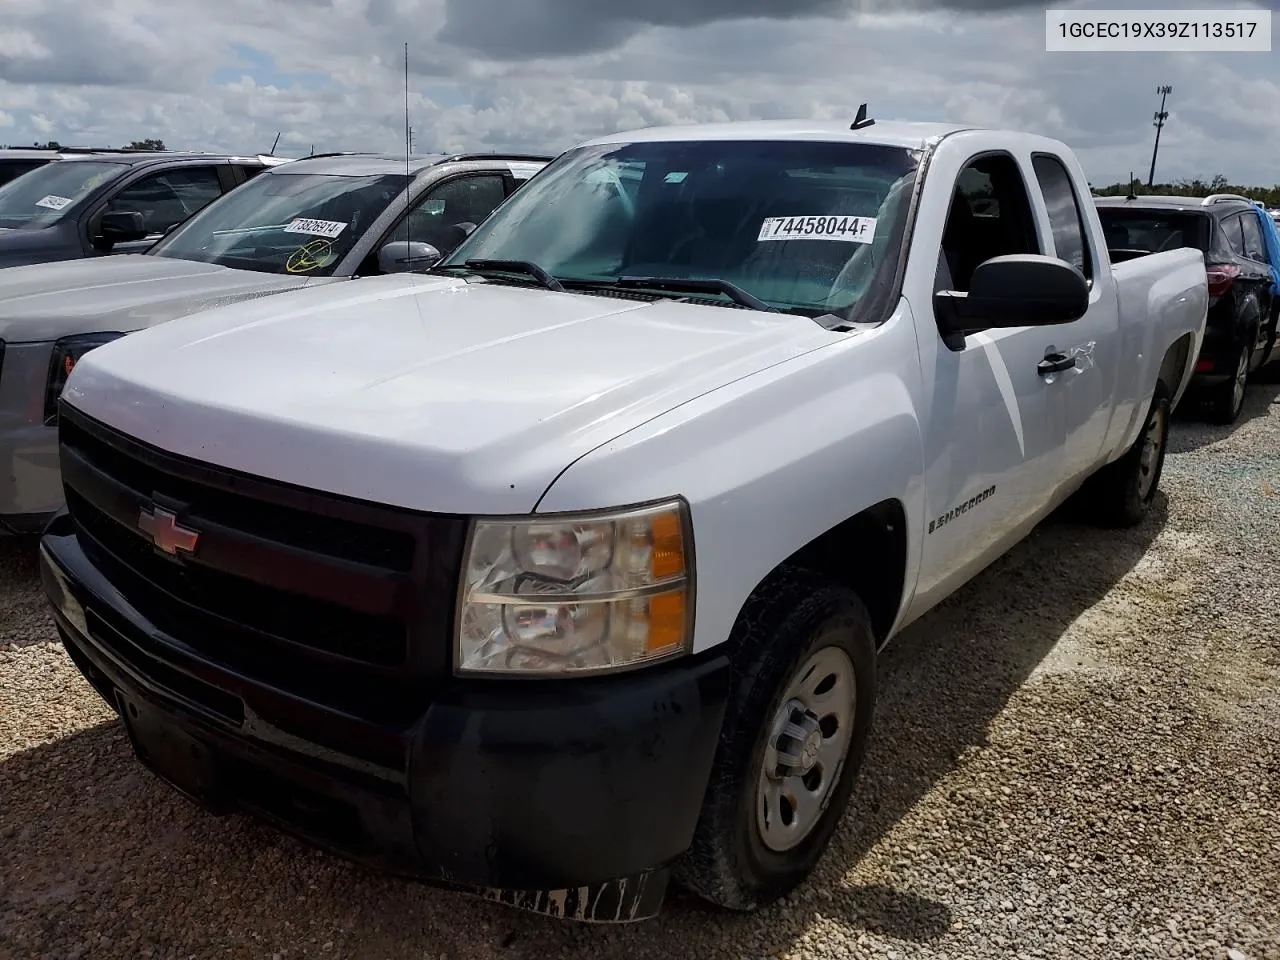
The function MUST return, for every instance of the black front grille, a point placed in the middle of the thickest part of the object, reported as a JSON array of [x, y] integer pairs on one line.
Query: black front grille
[[347, 603]]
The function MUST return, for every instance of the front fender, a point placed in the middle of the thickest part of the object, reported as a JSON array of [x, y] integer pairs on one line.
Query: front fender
[[772, 461]]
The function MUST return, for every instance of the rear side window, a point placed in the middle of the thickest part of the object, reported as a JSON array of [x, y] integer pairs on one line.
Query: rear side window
[[1065, 219], [1234, 232]]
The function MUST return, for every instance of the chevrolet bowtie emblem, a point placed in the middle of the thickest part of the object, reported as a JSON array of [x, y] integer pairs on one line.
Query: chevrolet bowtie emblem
[[162, 527]]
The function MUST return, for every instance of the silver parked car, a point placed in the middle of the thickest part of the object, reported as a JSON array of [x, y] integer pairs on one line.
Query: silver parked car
[[313, 221]]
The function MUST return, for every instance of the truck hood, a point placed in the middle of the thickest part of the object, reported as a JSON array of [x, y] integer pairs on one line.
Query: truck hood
[[429, 393], [119, 294]]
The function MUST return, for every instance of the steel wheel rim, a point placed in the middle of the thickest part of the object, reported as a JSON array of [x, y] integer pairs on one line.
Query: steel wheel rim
[[1242, 377], [1152, 446], [809, 738]]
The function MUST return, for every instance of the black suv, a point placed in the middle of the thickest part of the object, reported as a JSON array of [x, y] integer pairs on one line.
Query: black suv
[[1241, 332], [95, 203]]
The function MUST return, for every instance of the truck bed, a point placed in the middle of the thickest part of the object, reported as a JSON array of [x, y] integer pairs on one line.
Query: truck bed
[[1166, 290]]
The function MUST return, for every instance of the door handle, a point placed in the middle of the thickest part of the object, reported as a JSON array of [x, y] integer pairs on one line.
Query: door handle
[[1055, 363]]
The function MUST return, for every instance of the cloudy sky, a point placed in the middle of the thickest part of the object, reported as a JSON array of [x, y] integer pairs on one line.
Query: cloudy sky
[[544, 74]]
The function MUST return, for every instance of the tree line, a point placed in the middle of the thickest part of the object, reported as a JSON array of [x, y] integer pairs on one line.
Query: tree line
[[1192, 188], [146, 146]]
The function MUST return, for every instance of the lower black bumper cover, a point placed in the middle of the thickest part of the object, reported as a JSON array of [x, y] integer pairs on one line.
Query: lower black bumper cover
[[570, 798]]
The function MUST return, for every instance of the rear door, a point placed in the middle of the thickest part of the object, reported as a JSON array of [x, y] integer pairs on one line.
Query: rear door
[[1080, 395]]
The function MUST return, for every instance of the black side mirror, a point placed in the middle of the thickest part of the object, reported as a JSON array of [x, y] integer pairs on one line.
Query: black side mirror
[[406, 256], [122, 226], [1019, 290]]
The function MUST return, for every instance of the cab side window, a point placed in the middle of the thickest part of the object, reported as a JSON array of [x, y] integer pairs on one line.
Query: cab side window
[[990, 217], [1065, 218], [439, 216], [169, 197]]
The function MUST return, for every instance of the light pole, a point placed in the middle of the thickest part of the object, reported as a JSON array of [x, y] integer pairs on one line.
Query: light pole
[[1160, 118]]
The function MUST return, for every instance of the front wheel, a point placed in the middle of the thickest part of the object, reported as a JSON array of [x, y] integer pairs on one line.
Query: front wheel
[[794, 735]]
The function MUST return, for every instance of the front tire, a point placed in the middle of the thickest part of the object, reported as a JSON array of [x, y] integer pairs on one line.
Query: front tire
[[794, 735], [1120, 494]]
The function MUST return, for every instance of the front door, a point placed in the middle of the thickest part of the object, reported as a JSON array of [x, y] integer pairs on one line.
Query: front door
[[991, 426]]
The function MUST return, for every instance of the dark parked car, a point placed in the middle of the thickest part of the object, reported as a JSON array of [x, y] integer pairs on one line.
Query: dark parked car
[[315, 221], [120, 202], [1241, 332]]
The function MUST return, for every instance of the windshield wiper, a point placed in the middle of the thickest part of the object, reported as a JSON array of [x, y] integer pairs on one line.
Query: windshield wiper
[[509, 266], [696, 285]]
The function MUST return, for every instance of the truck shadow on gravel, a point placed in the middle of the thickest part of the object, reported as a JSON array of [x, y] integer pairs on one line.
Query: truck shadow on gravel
[[95, 852]]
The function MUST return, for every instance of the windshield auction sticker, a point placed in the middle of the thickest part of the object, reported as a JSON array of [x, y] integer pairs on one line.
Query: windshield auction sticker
[[316, 228], [843, 229], [53, 202]]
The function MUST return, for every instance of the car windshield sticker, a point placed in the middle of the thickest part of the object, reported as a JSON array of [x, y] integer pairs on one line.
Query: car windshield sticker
[[316, 228], [53, 202], [311, 256], [523, 171], [844, 229], [675, 176]]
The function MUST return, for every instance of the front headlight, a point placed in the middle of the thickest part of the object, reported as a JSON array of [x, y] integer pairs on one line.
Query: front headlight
[[580, 593], [66, 354]]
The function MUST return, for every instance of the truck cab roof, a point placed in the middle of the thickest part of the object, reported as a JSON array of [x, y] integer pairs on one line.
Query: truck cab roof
[[895, 133]]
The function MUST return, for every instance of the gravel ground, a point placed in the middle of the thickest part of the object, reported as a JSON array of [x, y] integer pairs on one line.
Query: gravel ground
[[1078, 756]]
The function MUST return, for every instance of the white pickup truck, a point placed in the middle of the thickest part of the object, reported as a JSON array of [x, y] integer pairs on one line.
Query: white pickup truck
[[562, 571]]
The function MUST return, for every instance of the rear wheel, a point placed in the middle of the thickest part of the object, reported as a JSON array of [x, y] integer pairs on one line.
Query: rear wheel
[[1120, 494], [794, 735], [1226, 399]]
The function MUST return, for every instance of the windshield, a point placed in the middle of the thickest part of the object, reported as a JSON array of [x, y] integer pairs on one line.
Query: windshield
[[802, 226], [41, 197], [1153, 231], [299, 223]]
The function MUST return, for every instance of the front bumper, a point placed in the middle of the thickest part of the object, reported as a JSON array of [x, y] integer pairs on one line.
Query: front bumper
[[570, 798]]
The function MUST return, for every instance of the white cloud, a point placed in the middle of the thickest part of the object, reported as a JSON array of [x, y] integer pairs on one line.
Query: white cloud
[[329, 72]]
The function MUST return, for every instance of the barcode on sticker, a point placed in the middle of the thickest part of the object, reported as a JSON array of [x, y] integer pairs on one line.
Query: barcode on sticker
[[53, 202], [316, 228], [844, 229]]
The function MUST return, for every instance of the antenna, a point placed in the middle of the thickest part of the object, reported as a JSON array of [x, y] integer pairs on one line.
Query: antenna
[[861, 120], [408, 138], [275, 144], [1131, 194]]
